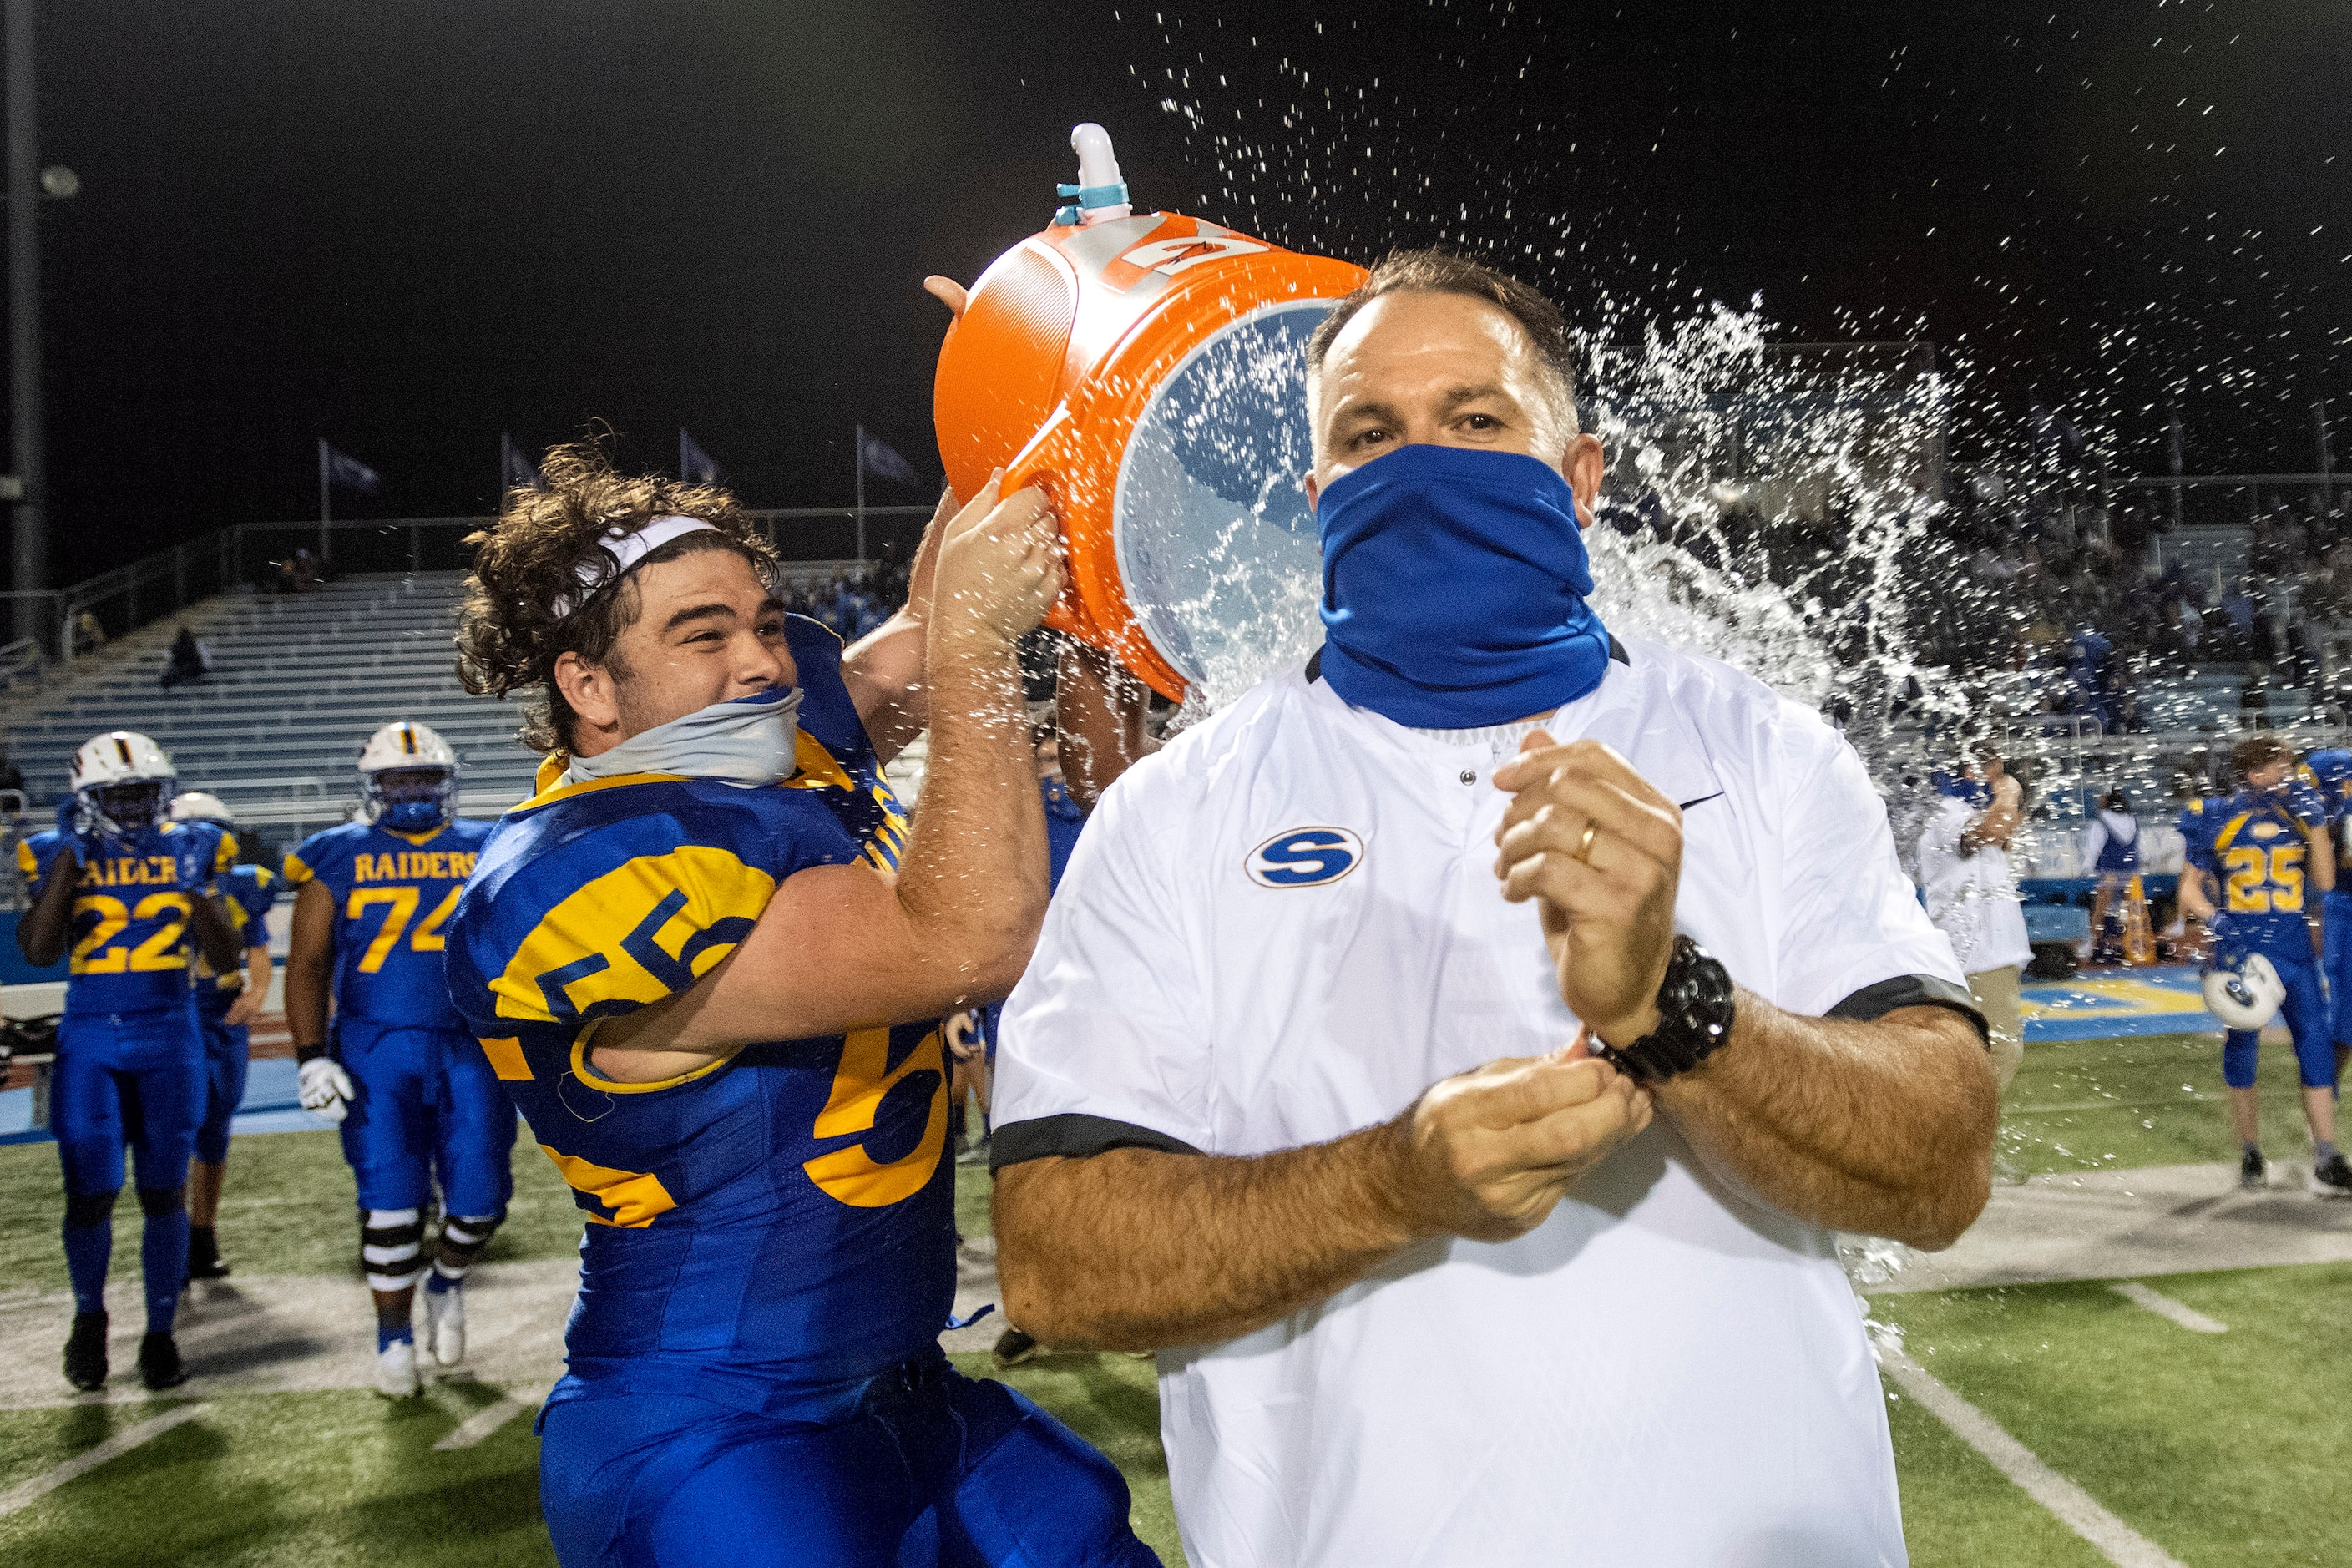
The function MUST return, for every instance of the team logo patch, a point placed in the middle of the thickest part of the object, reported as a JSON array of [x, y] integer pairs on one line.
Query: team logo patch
[[1305, 858]]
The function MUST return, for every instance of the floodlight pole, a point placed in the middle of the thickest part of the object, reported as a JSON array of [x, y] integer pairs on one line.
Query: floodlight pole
[[859, 442], [25, 438]]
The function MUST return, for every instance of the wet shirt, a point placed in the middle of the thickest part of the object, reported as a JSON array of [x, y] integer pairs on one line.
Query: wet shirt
[[249, 891], [2256, 848], [780, 1219], [393, 893], [132, 942]]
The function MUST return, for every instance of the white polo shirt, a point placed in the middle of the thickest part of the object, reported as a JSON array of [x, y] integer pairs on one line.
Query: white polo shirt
[[1972, 898], [1286, 926]]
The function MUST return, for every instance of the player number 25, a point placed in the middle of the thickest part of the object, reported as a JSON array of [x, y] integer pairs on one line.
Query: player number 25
[[94, 956], [400, 908], [2261, 880]]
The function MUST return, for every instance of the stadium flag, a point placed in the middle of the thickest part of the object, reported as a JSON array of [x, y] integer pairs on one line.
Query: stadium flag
[[517, 472], [878, 458], [340, 468], [695, 465]]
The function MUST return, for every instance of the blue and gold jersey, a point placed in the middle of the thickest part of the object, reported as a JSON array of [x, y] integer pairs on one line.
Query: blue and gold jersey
[[395, 893], [132, 944], [2257, 847], [781, 1218], [248, 891]]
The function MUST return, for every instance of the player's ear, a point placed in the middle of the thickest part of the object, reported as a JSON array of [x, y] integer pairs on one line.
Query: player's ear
[[588, 690]]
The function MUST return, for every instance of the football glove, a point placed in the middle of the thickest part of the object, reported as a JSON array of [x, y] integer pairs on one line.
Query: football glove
[[2222, 929], [324, 1087], [76, 828], [194, 861]]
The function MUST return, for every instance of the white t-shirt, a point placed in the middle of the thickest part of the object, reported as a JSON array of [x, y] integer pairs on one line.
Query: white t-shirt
[[1286, 926], [1972, 898]]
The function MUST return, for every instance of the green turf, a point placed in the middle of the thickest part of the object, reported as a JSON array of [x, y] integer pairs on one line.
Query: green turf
[[1961, 1512], [287, 1208], [299, 1480], [2222, 1449], [2154, 1100]]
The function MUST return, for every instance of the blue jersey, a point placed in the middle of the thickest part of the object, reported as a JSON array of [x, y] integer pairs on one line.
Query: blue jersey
[[1065, 820], [2256, 845], [778, 1220], [250, 890], [131, 943], [395, 893]]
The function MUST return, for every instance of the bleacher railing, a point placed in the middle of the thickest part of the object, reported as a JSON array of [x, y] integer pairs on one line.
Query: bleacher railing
[[67, 623]]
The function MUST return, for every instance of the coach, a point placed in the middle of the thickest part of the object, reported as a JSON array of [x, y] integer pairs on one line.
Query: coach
[[1288, 1091]]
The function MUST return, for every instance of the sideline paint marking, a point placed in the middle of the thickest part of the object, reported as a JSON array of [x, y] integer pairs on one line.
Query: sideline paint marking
[[2118, 1543], [478, 1426], [122, 1442], [2189, 1318]]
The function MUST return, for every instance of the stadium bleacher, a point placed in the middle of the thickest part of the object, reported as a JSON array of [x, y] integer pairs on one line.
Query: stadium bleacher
[[297, 682]]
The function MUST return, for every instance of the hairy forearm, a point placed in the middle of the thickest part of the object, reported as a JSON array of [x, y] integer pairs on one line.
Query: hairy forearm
[[1882, 1127], [1099, 709], [884, 673], [1138, 1249], [972, 880]]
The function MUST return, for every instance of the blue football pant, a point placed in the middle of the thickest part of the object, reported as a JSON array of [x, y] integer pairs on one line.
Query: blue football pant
[[952, 1474], [229, 1053], [129, 1082], [2306, 1011], [428, 1107], [2337, 962]]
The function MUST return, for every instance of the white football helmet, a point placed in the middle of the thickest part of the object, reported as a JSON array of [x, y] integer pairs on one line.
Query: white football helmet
[[408, 778], [122, 781], [2245, 994], [201, 806]]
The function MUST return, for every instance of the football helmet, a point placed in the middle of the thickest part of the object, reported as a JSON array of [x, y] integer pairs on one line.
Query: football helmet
[[2243, 990], [408, 778], [120, 782], [201, 806]]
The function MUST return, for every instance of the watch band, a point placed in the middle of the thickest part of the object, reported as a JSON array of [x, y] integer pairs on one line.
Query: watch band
[[1697, 1002]]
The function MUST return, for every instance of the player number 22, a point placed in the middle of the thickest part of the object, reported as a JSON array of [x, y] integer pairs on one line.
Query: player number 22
[[400, 908], [94, 956]]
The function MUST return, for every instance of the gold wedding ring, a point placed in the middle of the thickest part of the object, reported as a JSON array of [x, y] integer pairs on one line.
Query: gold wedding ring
[[1583, 856]]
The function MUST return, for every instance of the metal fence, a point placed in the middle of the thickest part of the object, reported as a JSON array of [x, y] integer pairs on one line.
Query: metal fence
[[67, 623]]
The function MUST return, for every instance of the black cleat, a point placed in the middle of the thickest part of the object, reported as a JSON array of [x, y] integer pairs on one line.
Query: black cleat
[[86, 1352], [2334, 1179], [1013, 1347], [2254, 1172], [159, 1362], [204, 1261]]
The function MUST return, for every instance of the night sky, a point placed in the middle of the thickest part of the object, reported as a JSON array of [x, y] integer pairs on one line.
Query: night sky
[[408, 227]]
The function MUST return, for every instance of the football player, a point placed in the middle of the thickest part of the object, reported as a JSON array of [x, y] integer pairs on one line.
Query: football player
[[2260, 853], [416, 1099], [2331, 771], [123, 887], [227, 1006], [710, 957]]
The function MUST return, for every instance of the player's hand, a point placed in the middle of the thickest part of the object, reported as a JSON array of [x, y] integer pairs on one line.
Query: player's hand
[[245, 1008], [193, 861], [75, 827], [947, 292], [1488, 1153], [962, 1037], [324, 1087], [1601, 851], [1000, 564]]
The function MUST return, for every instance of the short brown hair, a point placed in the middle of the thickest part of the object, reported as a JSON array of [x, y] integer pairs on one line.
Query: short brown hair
[[1443, 272], [509, 633], [2259, 751]]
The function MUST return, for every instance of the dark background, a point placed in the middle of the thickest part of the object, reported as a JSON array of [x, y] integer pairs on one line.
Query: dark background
[[408, 226]]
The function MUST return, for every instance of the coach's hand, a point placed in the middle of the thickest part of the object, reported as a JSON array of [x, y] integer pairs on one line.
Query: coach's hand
[[1489, 1152], [1601, 852], [1000, 564]]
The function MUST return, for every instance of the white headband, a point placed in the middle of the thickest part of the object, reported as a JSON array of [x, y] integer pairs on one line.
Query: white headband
[[617, 552]]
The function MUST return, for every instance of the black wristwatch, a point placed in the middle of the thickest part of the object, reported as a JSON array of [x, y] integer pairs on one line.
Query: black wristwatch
[[1695, 1006]]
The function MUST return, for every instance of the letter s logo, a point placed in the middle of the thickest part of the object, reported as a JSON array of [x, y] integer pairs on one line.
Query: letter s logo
[[1305, 858]]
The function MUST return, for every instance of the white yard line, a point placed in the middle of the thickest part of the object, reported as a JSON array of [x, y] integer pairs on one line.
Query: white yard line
[[2163, 1306], [2118, 1543], [478, 1426], [26, 1493]]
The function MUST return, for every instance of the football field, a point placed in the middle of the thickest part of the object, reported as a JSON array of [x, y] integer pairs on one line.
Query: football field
[[2048, 1421]]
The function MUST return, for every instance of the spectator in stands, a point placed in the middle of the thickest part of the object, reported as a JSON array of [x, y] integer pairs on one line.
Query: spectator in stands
[[189, 661], [1972, 897], [88, 636], [11, 777]]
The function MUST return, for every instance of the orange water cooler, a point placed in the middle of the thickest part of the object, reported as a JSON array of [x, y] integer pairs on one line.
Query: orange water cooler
[[1147, 371]]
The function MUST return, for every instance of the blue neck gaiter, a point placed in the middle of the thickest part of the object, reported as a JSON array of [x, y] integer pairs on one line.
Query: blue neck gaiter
[[1454, 589]]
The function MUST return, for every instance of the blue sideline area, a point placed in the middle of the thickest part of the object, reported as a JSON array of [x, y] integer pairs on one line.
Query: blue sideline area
[[13, 970], [2109, 1004]]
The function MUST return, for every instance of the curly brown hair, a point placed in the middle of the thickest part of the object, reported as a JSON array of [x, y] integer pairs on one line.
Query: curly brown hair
[[508, 635], [2259, 751]]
